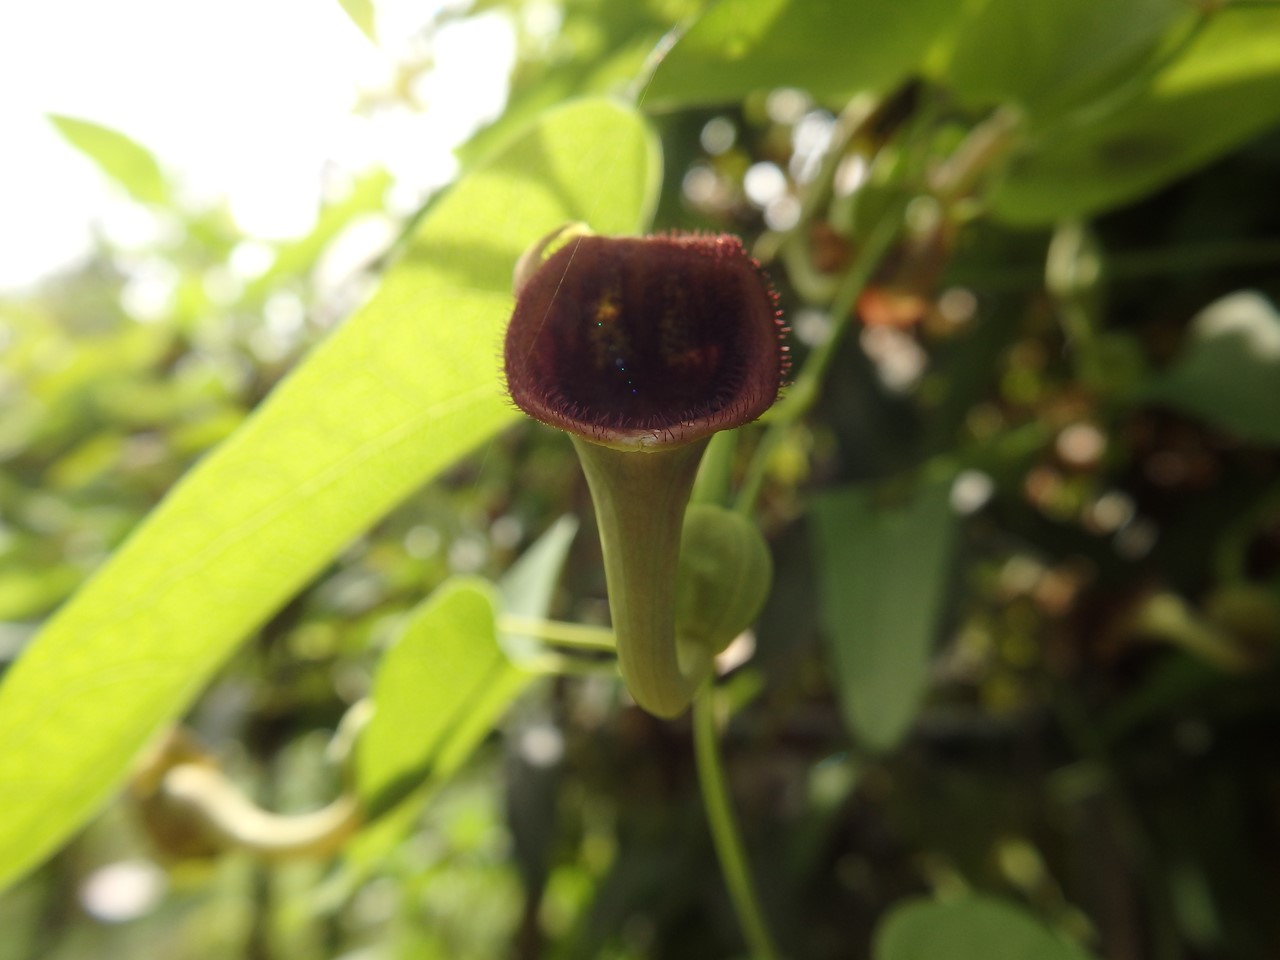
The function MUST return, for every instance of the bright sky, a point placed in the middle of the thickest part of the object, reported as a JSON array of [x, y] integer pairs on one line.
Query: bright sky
[[247, 99]]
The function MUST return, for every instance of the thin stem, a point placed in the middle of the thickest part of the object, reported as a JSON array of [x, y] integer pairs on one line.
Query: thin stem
[[578, 636], [804, 391], [559, 665], [724, 828]]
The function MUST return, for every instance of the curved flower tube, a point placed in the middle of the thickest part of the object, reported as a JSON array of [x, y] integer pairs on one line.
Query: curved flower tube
[[641, 349]]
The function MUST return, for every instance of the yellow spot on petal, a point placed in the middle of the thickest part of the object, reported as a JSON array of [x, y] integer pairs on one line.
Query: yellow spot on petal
[[607, 309]]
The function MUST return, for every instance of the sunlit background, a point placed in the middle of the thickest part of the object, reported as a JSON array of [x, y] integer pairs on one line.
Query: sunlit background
[[268, 107]]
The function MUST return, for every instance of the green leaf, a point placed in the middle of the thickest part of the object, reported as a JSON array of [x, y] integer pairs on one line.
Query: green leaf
[[1053, 53], [528, 587], [1224, 90], [420, 734], [725, 574], [124, 160], [524, 591], [431, 687], [884, 574], [28, 593], [362, 15], [446, 657], [976, 928], [828, 47], [400, 391], [1228, 372]]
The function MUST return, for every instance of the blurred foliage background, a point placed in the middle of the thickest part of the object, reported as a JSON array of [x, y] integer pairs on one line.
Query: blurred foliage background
[[1022, 638]]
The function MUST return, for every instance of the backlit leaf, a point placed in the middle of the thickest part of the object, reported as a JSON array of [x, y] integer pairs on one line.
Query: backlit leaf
[[444, 686], [445, 658], [124, 160], [400, 391], [433, 685]]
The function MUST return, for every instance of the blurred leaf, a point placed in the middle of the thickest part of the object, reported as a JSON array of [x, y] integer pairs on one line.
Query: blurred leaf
[[122, 159], [828, 47], [527, 588], [1228, 372], [433, 687], [883, 579], [429, 759], [141, 401], [1047, 55], [86, 463], [524, 591], [1224, 90], [977, 928], [396, 394], [446, 657], [362, 15], [86, 362], [199, 435], [27, 594]]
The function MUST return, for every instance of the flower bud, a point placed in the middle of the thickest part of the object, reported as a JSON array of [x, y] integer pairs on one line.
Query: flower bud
[[724, 578]]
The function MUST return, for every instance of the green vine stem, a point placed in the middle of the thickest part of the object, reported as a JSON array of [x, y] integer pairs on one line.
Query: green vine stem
[[576, 636], [724, 827]]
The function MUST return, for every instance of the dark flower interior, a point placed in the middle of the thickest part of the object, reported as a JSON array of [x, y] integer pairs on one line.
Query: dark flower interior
[[677, 336]]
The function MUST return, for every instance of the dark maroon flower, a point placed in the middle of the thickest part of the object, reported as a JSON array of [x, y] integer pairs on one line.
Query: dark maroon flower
[[641, 349], [636, 342]]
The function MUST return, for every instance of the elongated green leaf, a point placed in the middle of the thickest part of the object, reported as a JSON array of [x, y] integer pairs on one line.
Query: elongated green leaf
[[884, 577], [1229, 370], [977, 928], [828, 47], [1224, 90], [122, 159], [400, 391]]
